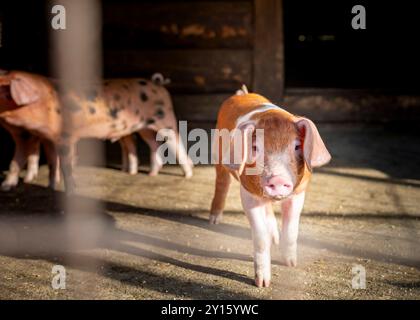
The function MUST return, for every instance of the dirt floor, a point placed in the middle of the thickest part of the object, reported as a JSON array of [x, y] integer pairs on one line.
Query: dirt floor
[[141, 237]]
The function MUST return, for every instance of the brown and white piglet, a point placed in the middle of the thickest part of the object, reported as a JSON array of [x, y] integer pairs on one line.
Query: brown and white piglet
[[275, 168], [29, 111]]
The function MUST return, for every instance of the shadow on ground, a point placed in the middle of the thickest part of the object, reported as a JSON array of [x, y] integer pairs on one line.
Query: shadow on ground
[[33, 226], [29, 231]]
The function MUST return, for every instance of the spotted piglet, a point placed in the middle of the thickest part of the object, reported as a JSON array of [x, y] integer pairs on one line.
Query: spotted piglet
[[166, 117], [114, 111], [276, 152]]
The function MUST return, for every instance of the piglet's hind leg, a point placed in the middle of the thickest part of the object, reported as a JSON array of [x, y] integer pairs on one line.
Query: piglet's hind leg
[[129, 155], [156, 161], [33, 159], [53, 163], [66, 151]]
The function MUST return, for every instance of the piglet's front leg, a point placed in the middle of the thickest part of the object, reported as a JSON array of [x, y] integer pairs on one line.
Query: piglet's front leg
[[291, 209], [255, 209]]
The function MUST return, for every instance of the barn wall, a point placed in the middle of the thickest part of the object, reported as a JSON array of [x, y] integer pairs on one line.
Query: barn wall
[[210, 48], [206, 48]]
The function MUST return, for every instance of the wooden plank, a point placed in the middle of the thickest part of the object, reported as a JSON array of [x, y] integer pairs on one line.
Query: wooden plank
[[320, 105], [191, 71], [198, 107], [178, 24], [332, 105], [268, 77]]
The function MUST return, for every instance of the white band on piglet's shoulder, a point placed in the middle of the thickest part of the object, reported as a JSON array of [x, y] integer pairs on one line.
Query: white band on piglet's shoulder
[[264, 107]]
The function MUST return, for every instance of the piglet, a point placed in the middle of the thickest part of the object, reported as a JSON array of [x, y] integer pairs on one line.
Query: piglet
[[114, 110], [29, 111], [277, 153]]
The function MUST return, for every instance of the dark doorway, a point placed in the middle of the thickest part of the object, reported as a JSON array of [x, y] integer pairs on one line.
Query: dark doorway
[[323, 50]]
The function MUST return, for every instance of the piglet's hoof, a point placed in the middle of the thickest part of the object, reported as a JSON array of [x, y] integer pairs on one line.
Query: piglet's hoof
[[215, 218], [132, 172], [188, 175], [289, 256], [289, 261], [7, 186], [29, 178], [262, 280], [70, 188], [188, 169]]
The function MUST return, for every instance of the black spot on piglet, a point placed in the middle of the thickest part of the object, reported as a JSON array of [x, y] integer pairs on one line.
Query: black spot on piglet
[[92, 110], [113, 113], [143, 82], [143, 97], [160, 113], [150, 121]]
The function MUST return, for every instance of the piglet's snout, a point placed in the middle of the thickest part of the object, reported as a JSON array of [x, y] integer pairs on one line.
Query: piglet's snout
[[277, 186]]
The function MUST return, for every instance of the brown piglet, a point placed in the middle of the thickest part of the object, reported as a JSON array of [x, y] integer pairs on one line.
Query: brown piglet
[[277, 153]]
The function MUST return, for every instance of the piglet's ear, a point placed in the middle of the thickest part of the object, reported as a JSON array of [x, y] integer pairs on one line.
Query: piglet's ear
[[24, 90], [314, 151], [238, 152]]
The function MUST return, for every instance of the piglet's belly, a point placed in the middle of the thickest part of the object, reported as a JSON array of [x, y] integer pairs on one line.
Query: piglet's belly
[[112, 130]]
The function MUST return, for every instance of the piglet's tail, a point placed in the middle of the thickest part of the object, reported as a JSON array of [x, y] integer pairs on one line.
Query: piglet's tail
[[160, 80], [242, 91]]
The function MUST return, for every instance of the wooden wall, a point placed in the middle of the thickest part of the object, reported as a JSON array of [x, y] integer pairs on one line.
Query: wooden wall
[[207, 48], [210, 48]]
